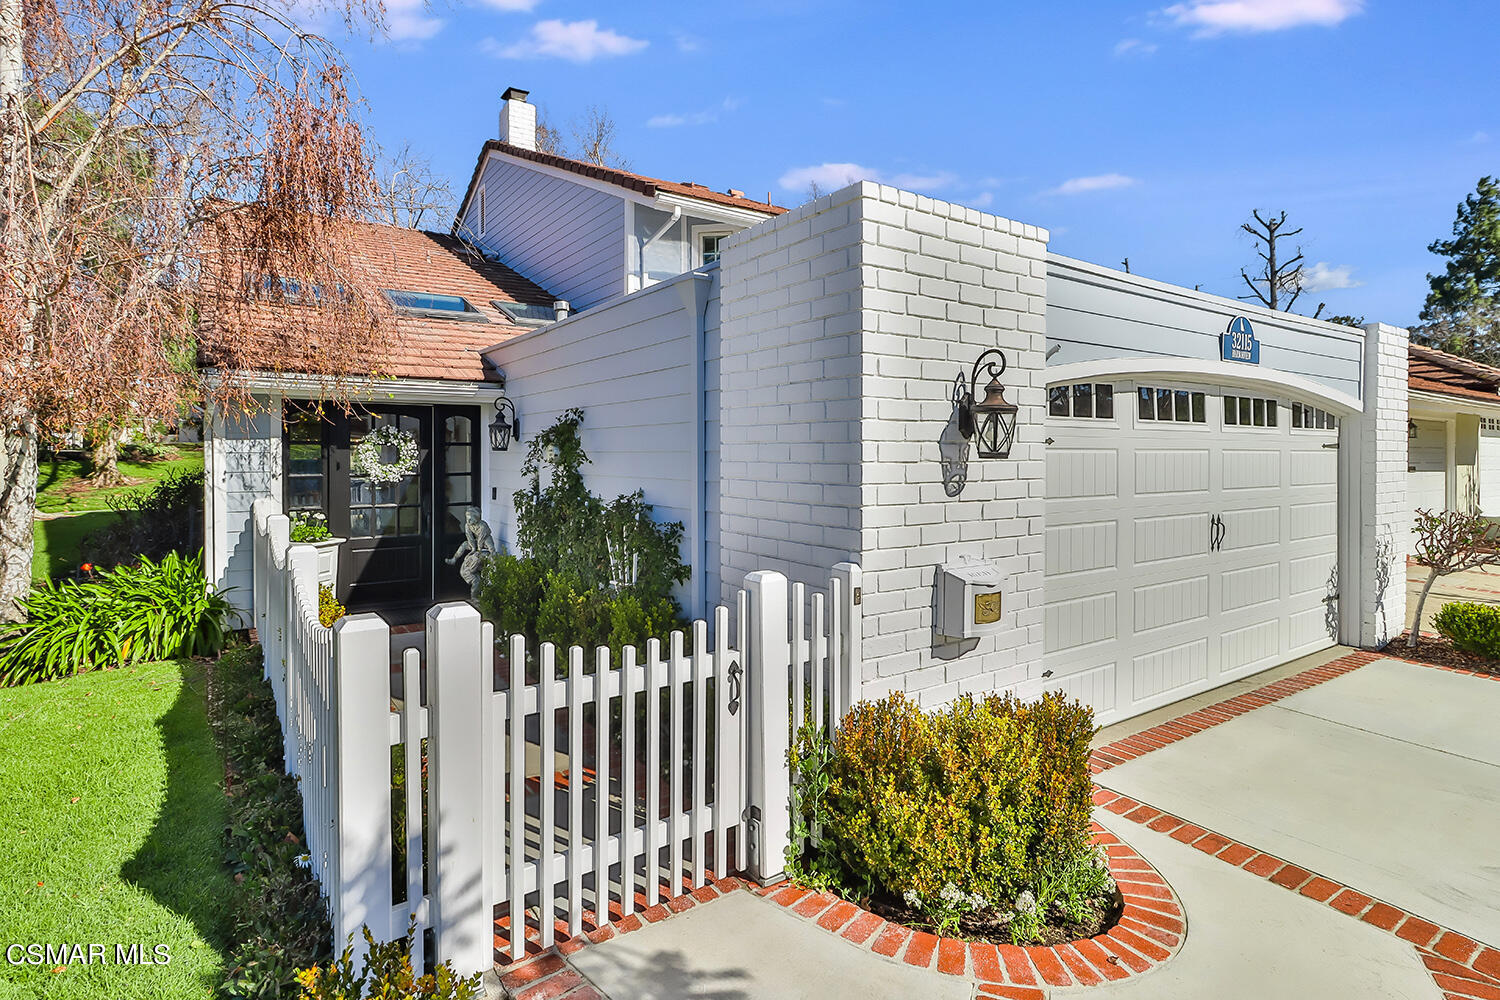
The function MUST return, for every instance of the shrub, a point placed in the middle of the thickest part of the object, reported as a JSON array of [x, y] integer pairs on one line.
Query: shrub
[[952, 811], [151, 611], [308, 526], [280, 922], [329, 608], [511, 593], [1473, 628], [387, 974], [151, 522]]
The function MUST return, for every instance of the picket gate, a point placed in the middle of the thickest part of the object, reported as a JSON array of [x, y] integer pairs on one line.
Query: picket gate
[[545, 791]]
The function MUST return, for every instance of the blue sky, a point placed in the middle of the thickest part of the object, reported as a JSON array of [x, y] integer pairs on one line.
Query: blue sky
[[1126, 128]]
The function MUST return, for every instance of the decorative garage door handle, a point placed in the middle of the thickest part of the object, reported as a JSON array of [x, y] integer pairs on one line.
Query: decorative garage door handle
[[1215, 533]]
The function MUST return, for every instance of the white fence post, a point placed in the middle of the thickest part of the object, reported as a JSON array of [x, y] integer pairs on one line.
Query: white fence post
[[459, 677], [851, 635], [361, 893], [768, 666]]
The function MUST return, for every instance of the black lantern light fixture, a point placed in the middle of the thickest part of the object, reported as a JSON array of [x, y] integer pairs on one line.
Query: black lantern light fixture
[[504, 427], [1411, 430], [991, 422]]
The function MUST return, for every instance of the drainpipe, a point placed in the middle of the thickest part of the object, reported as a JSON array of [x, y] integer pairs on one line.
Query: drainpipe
[[676, 214]]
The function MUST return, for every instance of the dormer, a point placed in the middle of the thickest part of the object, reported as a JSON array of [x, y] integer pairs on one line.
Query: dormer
[[585, 232]]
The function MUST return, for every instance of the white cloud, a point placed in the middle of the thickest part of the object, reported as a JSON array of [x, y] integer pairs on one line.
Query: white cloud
[[1134, 47], [686, 42], [408, 21], [832, 176], [828, 176], [982, 200], [1098, 182], [1215, 17], [1323, 276], [575, 41], [704, 117], [1479, 138]]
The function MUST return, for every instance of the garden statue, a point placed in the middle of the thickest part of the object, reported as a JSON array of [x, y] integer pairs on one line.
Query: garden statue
[[476, 550]]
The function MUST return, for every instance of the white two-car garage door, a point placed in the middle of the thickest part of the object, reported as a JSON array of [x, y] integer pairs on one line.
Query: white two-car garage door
[[1191, 538]]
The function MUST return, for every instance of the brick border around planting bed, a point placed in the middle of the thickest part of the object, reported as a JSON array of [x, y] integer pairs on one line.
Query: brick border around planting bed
[[1151, 930], [1464, 969]]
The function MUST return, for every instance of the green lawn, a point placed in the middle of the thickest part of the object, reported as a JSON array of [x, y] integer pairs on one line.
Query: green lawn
[[56, 542], [112, 832], [61, 485]]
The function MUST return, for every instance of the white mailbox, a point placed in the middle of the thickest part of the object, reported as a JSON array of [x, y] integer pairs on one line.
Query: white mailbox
[[968, 599]]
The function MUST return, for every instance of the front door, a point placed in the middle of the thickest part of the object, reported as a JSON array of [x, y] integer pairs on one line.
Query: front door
[[387, 519]]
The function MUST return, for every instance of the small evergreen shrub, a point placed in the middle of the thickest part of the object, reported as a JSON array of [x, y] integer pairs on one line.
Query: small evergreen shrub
[[980, 806], [1473, 628], [130, 614]]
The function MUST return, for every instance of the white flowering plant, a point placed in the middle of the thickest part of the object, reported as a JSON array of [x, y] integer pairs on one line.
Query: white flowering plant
[[309, 526], [368, 458]]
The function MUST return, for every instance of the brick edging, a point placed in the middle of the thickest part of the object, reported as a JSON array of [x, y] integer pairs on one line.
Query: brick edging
[[1151, 930], [1462, 967], [1478, 960]]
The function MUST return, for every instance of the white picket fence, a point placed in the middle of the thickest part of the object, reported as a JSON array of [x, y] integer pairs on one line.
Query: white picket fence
[[563, 789]]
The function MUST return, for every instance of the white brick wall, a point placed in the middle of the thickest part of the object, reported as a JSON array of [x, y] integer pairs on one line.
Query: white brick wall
[[1385, 521], [845, 323]]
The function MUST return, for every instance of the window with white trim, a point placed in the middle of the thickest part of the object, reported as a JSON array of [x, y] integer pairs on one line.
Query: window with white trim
[[1249, 411], [1489, 423], [1311, 418], [1094, 400], [1183, 406]]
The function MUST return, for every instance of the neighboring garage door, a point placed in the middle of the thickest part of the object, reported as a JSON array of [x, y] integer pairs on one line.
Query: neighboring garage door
[[1191, 538], [1489, 466]]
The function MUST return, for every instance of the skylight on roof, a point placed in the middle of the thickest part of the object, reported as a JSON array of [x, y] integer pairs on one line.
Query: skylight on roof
[[434, 305], [524, 314]]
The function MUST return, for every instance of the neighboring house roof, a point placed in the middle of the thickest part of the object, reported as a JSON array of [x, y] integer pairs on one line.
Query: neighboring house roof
[[639, 183], [1431, 370], [431, 346]]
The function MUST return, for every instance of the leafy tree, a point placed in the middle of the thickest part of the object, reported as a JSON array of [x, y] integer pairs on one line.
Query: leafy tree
[[1462, 312], [1449, 541]]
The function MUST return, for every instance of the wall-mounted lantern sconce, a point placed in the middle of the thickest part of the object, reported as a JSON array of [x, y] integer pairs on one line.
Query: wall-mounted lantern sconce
[[991, 422], [1411, 430], [504, 427]]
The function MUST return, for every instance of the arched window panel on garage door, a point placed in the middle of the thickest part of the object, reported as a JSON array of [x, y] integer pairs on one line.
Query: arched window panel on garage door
[[1087, 400], [1308, 417], [1250, 411], [1171, 404]]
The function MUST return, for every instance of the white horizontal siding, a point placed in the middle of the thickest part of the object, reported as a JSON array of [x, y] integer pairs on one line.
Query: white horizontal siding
[[1094, 313], [243, 464], [566, 237], [630, 366]]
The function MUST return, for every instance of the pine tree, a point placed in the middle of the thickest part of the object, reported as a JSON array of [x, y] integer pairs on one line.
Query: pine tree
[[1462, 312]]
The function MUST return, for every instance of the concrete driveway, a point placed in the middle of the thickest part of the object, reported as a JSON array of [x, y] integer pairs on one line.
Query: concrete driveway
[[1386, 779]]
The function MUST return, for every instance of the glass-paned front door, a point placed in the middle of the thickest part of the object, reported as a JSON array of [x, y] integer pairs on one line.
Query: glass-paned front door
[[386, 516], [458, 488]]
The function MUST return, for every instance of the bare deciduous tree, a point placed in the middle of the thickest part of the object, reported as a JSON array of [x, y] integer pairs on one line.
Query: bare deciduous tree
[[1449, 541], [410, 191], [1280, 277], [549, 138], [594, 138], [165, 168]]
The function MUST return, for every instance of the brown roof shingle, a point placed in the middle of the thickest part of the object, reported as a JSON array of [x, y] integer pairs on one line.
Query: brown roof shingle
[[391, 257], [1432, 370], [639, 183]]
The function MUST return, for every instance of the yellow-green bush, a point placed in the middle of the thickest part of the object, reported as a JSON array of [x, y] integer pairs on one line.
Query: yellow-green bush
[[1474, 628], [958, 809], [329, 608]]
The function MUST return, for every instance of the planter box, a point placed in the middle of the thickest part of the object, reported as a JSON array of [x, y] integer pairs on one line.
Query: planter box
[[328, 561]]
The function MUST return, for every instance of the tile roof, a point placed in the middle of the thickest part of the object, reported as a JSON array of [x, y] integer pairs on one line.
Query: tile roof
[[415, 260], [1432, 370], [639, 183]]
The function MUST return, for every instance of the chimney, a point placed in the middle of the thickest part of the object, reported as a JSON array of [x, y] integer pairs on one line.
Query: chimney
[[561, 308], [517, 119]]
